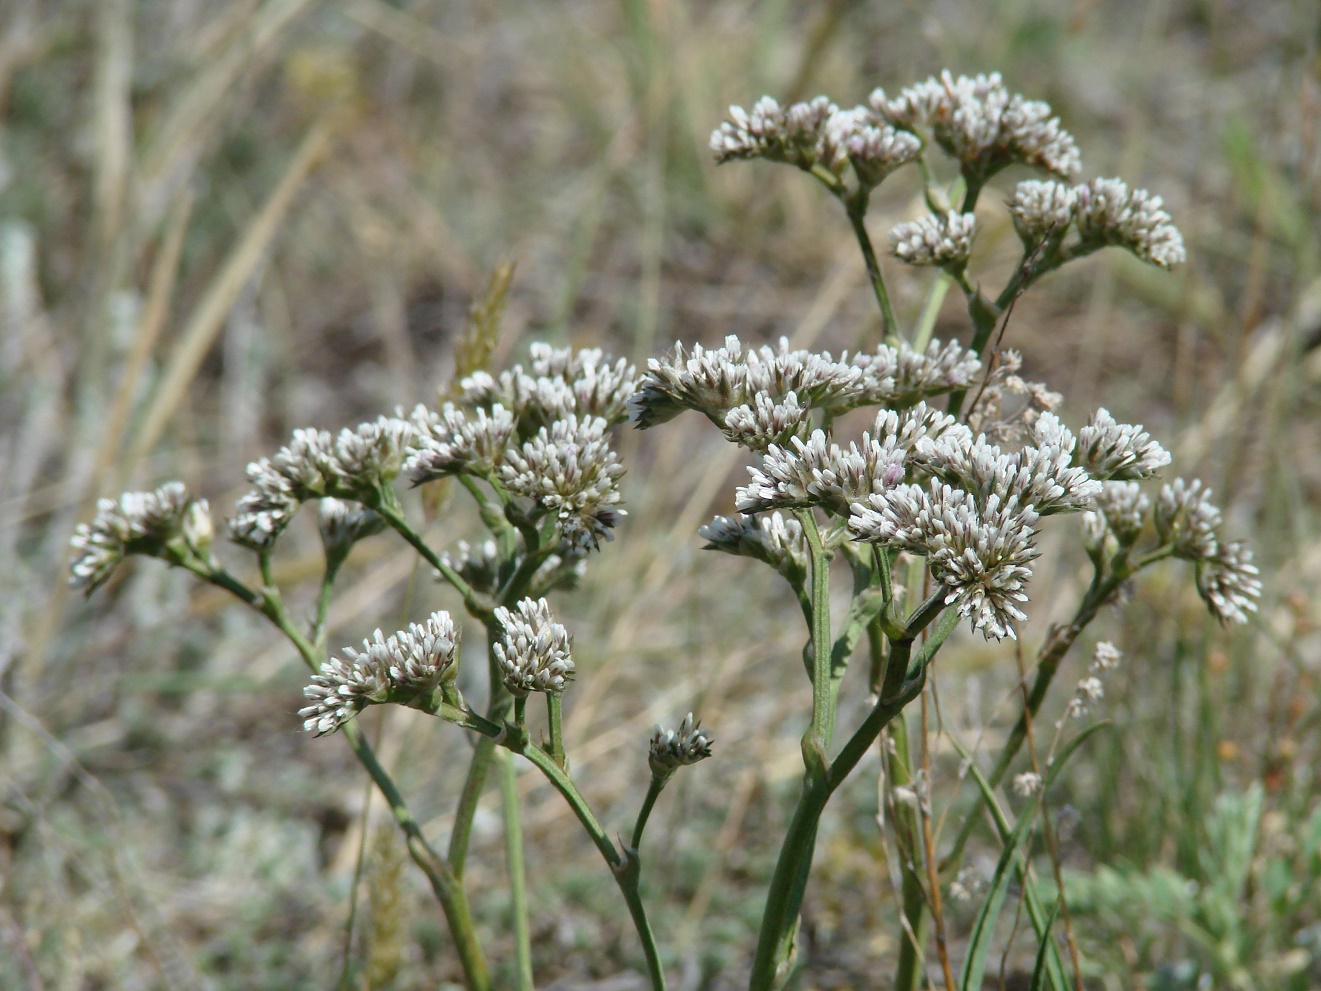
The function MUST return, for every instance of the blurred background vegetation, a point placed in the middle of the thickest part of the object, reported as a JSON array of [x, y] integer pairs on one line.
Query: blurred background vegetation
[[223, 220]]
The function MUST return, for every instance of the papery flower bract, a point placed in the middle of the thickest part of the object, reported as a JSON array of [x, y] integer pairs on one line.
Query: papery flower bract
[[1042, 208], [136, 523], [981, 554], [935, 239], [1121, 510], [343, 523], [817, 472], [671, 749], [370, 455], [1108, 212], [569, 471], [796, 134], [533, 652]]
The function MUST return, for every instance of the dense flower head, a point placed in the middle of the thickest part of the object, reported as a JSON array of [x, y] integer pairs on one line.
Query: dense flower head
[[980, 123], [774, 538], [458, 441], [1187, 520], [980, 552], [406, 666], [764, 422], [671, 749], [1108, 212], [533, 653], [371, 454], [818, 472], [343, 523], [557, 383], [874, 148], [943, 239], [568, 470], [1042, 208], [760, 380], [1121, 511], [796, 134], [303, 469], [137, 523], [1118, 451], [1228, 582]]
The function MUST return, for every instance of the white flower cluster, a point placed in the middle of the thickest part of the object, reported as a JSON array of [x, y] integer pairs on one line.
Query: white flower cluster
[[569, 470], [936, 239], [816, 134], [758, 384], [672, 749], [1226, 577], [406, 666], [313, 465], [980, 123], [533, 652], [1103, 212], [1121, 510], [137, 523], [458, 441], [820, 472], [557, 383], [771, 537], [343, 523]]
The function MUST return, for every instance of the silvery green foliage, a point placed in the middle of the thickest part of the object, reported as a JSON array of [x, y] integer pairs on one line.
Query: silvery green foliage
[[139, 523], [671, 749], [980, 123], [943, 239], [533, 652], [406, 666]]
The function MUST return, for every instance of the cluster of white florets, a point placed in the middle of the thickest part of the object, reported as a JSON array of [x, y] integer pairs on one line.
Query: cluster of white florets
[[404, 667], [1101, 212], [533, 652], [167, 522], [315, 464], [754, 385], [540, 432], [923, 482]]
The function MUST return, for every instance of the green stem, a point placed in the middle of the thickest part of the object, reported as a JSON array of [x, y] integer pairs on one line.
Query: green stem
[[816, 741], [912, 942], [517, 873], [653, 792], [555, 719], [445, 885], [323, 606], [1056, 647], [856, 208], [476, 604]]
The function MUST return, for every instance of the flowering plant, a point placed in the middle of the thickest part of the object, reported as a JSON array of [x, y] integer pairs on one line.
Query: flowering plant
[[933, 514]]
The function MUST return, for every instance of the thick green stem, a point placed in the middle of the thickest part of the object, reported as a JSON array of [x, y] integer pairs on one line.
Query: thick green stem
[[517, 873]]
